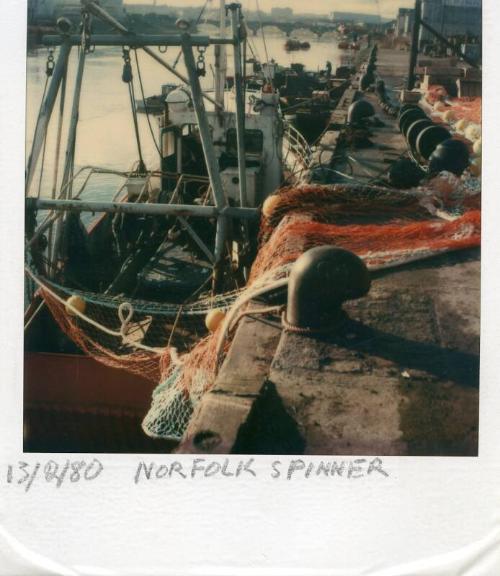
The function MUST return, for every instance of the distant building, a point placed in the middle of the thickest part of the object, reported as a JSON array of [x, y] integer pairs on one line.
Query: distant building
[[404, 22], [50, 10], [452, 18], [152, 8], [356, 17], [281, 13]]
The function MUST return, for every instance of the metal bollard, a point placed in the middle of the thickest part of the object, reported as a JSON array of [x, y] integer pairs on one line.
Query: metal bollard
[[321, 280]]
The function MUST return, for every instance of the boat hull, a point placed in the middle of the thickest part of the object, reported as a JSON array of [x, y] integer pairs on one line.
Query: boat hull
[[75, 404]]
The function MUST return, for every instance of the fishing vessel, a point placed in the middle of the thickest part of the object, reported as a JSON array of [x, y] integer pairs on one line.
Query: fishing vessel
[[221, 301], [171, 238]]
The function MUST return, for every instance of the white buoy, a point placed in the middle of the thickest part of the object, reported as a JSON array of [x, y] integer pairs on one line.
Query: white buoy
[[473, 132]]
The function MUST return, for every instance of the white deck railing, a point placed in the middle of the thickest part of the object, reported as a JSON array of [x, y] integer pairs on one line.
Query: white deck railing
[[297, 153]]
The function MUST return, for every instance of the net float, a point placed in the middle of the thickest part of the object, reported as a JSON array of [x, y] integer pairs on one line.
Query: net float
[[449, 116], [461, 125], [407, 118], [214, 318], [451, 156], [75, 303], [429, 139], [477, 147], [473, 132]]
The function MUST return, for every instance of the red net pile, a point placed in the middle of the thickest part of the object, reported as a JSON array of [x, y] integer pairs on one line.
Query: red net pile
[[384, 227], [467, 108], [381, 226]]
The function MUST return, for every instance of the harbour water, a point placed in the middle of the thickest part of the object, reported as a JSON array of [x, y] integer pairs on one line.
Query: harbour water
[[105, 135]]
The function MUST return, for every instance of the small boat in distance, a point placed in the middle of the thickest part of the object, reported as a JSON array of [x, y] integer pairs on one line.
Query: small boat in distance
[[155, 104], [292, 45]]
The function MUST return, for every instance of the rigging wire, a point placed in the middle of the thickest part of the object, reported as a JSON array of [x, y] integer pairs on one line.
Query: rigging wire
[[55, 176], [144, 102], [254, 51], [62, 103], [262, 30], [142, 166], [127, 77], [44, 142]]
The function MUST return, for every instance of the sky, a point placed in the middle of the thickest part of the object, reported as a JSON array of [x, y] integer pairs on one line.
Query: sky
[[386, 8]]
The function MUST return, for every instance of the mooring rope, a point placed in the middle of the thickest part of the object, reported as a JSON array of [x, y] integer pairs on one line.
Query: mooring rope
[[118, 334]]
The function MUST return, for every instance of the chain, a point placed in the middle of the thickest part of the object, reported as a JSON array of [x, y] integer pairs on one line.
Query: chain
[[86, 32], [49, 67], [200, 64], [127, 67], [307, 330]]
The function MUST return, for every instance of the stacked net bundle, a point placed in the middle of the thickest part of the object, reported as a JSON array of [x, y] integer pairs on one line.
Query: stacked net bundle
[[341, 203], [348, 204], [435, 93], [169, 343], [467, 108], [379, 245]]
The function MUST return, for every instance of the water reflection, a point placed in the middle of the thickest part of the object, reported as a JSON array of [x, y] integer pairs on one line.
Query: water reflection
[[105, 130]]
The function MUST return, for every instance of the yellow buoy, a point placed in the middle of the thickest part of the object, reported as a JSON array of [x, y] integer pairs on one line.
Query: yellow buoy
[[461, 125], [473, 132], [449, 116], [77, 303], [478, 147], [214, 318], [269, 205]]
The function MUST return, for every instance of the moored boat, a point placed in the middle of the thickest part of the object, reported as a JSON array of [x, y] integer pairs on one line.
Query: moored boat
[[137, 280], [220, 277]]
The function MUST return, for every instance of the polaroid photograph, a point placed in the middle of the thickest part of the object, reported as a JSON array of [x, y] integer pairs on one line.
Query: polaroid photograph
[[250, 325]]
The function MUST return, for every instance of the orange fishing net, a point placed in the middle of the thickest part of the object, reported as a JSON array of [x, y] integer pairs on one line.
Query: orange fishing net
[[436, 93], [467, 108], [102, 347], [384, 227], [377, 244], [342, 203]]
